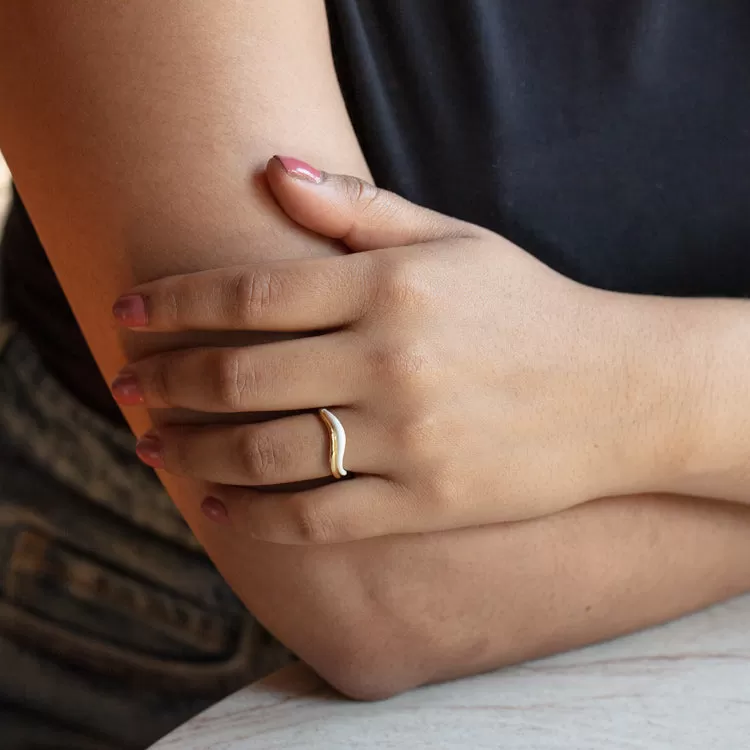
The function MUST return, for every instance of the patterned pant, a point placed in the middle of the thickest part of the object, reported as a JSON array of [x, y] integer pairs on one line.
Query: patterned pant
[[114, 626]]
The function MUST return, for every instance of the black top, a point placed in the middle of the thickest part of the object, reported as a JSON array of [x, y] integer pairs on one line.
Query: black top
[[611, 139]]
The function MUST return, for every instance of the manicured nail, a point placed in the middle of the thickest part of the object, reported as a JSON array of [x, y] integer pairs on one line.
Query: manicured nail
[[130, 311], [150, 450], [215, 510], [126, 390], [300, 169]]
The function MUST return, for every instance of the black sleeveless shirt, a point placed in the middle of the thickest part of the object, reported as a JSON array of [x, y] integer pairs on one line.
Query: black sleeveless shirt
[[610, 138]]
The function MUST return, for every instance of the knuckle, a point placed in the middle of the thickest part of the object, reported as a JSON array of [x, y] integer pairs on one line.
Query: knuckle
[[401, 362], [178, 455], [161, 383], [401, 284], [253, 293], [415, 433], [444, 494], [169, 304], [232, 380], [364, 195], [310, 524], [258, 455]]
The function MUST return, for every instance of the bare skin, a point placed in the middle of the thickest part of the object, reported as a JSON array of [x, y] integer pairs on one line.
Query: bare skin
[[135, 133], [458, 363]]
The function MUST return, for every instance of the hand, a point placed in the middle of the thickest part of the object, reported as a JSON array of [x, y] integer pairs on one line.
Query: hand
[[475, 384]]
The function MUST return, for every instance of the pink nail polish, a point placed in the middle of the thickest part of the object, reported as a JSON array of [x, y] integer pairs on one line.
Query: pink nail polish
[[300, 169], [150, 451], [130, 311], [215, 511], [126, 390]]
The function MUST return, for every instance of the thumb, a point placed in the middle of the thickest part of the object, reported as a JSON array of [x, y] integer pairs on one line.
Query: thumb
[[354, 211]]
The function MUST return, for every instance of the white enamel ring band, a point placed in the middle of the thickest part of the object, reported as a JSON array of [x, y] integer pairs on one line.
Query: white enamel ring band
[[337, 440]]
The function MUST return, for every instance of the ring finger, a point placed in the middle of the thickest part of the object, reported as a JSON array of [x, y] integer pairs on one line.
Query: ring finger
[[280, 451]]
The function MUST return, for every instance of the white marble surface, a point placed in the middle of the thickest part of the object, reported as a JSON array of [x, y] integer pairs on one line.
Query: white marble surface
[[682, 686]]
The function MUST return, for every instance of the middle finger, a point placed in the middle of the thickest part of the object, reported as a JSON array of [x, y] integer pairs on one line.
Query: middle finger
[[282, 376]]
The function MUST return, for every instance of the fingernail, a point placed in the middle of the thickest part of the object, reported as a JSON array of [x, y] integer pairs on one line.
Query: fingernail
[[150, 451], [130, 310], [300, 169], [126, 390], [215, 510]]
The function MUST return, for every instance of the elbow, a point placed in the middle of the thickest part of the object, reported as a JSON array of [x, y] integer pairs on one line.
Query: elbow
[[362, 672], [396, 646], [375, 666], [370, 663], [368, 688]]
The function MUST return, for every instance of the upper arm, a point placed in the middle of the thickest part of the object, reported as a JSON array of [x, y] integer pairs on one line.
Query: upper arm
[[136, 132]]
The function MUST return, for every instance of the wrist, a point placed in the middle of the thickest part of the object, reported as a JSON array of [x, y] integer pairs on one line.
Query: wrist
[[657, 394], [714, 361], [686, 409]]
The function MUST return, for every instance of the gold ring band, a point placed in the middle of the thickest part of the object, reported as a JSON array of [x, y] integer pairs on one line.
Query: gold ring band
[[337, 440]]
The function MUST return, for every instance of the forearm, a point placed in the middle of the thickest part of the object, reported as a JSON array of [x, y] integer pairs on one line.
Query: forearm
[[514, 592]]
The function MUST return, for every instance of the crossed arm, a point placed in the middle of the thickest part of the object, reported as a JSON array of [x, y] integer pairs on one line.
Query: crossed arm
[[136, 133]]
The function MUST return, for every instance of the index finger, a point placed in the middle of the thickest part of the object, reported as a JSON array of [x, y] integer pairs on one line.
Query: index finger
[[294, 295]]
